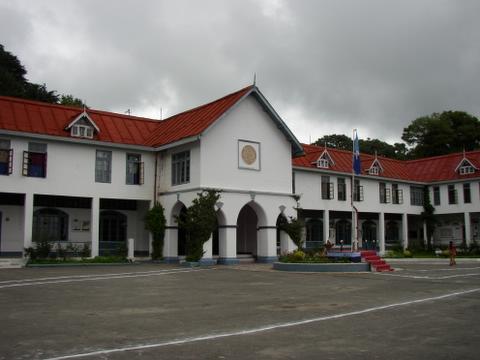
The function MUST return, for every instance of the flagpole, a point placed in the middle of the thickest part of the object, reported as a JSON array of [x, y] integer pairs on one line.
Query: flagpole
[[354, 209]]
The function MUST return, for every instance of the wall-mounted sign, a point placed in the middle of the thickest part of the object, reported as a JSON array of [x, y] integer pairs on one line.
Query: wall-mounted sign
[[248, 155]]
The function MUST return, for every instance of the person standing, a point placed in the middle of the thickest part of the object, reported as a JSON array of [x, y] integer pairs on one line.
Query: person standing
[[453, 252]]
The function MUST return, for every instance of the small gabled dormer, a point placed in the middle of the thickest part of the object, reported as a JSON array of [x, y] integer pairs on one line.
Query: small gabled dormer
[[83, 126], [376, 168], [325, 161], [465, 166]]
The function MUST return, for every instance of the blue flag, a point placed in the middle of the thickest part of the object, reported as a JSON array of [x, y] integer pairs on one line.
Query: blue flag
[[357, 166]]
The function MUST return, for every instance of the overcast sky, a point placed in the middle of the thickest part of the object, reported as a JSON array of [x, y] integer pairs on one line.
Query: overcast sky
[[325, 66]]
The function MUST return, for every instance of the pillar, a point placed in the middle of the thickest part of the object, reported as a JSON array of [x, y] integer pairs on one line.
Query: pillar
[[227, 245], [95, 226], [326, 226], [207, 258], [468, 229], [286, 244], [425, 234], [381, 233], [170, 244], [28, 220], [405, 230], [267, 244]]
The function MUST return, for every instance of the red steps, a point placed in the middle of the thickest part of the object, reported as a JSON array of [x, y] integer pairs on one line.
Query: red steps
[[376, 263]]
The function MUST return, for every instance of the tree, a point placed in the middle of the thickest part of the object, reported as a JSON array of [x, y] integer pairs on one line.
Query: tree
[[70, 100], [199, 223], [155, 223], [444, 133], [428, 216], [335, 141]]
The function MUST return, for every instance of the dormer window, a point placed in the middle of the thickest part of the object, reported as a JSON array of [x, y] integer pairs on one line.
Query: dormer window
[[465, 167], [465, 170], [323, 163], [82, 126], [374, 170], [85, 131]]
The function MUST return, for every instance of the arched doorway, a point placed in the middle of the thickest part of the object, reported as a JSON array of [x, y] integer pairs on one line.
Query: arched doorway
[[314, 233], [343, 231], [50, 225], [113, 232], [182, 234], [392, 232], [247, 231], [369, 233]]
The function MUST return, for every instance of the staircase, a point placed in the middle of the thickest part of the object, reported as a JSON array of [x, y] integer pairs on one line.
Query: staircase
[[376, 263]]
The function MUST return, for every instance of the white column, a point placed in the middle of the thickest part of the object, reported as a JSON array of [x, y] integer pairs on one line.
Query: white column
[[405, 230], [170, 244], [207, 258], [227, 245], [27, 220], [267, 244], [326, 226], [286, 244], [381, 233], [95, 226], [468, 229], [425, 234]]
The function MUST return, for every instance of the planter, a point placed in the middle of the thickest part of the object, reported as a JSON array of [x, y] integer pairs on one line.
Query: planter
[[322, 267]]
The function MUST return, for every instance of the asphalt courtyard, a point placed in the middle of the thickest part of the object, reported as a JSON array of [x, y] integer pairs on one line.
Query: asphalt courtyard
[[424, 310]]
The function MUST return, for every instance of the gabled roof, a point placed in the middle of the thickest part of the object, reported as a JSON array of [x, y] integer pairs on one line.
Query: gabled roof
[[83, 115], [41, 118], [376, 163], [326, 156], [465, 160], [433, 169]]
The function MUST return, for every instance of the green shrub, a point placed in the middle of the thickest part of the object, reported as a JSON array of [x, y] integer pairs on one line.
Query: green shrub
[[155, 222], [85, 252]]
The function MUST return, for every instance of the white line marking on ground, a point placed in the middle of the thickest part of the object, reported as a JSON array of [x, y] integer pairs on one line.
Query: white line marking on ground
[[426, 276], [450, 269], [261, 329], [99, 278], [85, 276]]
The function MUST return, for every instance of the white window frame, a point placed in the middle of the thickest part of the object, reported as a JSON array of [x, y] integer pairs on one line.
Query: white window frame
[[467, 169], [82, 131]]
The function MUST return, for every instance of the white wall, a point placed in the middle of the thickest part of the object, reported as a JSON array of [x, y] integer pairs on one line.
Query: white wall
[[219, 151], [12, 228], [461, 206], [71, 172]]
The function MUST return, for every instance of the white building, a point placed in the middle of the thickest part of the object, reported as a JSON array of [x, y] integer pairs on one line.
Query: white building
[[88, 177]]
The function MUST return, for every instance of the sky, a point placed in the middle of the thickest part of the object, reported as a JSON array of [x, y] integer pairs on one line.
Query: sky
[[327, 67]]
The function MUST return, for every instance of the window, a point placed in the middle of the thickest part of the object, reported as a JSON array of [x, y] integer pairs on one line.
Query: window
[[467, 169], [327, 188], [452, 195], [397, 195], [436, 195], [416, 195], [341, 189], [384, 193], [6, 157], [35, 160], [82, 127], [135, 169], [50, 225], [467, 198], [103, 166], [357, 191], [323, 163], [181, 168], [374, 170]]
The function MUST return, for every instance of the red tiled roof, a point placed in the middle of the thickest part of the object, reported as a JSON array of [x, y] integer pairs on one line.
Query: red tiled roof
[[439, 168], [193, 122], [50, 119]]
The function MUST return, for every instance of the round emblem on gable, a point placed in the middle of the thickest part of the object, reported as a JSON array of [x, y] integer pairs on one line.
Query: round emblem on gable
[[249, 155]]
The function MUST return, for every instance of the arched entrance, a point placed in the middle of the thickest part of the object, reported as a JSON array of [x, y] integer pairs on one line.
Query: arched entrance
[[314, 233], [369, 233], [113, 232], [247, 231], [50, 225], [343, 231], [392, 232]]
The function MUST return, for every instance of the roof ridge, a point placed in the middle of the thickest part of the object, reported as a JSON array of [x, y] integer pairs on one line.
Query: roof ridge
[[443, 156], [209, 103]]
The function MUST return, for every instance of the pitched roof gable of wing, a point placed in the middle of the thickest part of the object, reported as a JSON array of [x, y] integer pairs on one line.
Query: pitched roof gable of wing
[[194, 122], [434, 169], [25, 116]]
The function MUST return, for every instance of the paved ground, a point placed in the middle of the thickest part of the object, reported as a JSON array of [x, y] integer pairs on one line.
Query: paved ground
[[422, 311]]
